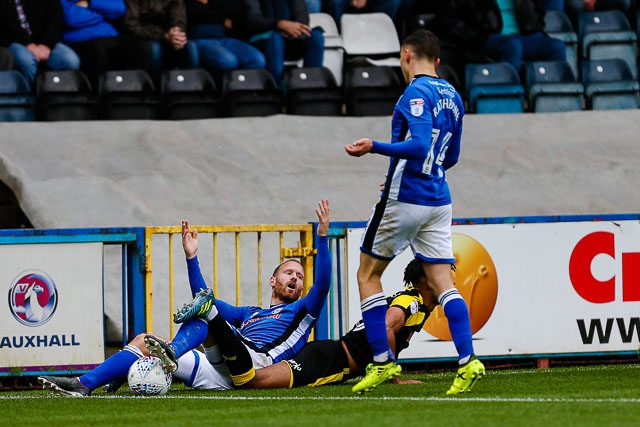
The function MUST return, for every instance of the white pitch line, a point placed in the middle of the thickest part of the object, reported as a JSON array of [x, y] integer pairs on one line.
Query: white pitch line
[[355, 398]]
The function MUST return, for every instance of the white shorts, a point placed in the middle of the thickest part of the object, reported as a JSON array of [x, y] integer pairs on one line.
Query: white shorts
[[196, 371], [393, 226]]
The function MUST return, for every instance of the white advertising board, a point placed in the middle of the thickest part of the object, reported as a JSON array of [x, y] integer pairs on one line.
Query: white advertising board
[[52, 311], [532, 288]]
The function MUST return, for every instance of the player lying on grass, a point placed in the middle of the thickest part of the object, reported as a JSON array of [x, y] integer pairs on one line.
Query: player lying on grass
[[332, 361], [275, 333], [321, 361]]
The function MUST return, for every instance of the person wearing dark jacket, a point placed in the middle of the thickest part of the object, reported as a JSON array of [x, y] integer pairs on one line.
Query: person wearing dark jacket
[[163, 24], [32, 30], [280, 29], [498, 30]]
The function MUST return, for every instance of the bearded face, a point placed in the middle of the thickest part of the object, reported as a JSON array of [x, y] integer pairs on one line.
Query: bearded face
[[287, 283]]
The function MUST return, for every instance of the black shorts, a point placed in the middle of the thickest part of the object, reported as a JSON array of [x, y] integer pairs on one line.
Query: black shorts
[[319, 362]]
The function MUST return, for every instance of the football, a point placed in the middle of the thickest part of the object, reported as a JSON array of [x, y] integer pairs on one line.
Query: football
[[148, 378]]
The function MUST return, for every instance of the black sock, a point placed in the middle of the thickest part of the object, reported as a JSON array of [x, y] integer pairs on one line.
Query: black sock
[[236, 356]]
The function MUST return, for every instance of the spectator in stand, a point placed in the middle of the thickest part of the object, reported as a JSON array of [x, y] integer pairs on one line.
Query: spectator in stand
[[213, 27], [91, 30], [163, 23], [499, 30], [573, 8], [32, 30], [6, 59], [280, 29]]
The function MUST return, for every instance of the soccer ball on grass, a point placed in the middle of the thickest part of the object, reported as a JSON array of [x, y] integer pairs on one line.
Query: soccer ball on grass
[[148, 378]]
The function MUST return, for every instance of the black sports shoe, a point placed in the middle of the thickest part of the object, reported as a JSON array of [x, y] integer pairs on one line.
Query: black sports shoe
[[162, 350], [64, 386]]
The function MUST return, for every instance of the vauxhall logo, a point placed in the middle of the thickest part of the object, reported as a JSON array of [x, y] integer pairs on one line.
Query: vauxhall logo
[[604, 291]]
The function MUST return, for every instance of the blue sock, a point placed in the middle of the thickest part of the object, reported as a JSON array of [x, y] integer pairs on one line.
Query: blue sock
[[190, 335], [374, 311], [455, 308], [115, 367]]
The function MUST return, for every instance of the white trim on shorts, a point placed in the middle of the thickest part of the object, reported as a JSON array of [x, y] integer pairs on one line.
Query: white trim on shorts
[[196, 371]]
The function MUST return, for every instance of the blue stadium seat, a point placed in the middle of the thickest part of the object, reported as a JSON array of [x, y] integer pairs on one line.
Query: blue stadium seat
[[607, 34], [65, 95], [17, 102], [189, 94], [128, 95], [558, 25], [372, 90], [609, 85], [493, 88], [551, 86], [312, 91], [251, 92]]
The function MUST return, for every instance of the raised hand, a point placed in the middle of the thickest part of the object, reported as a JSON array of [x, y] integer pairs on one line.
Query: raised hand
[[189, 240], [323, 211]]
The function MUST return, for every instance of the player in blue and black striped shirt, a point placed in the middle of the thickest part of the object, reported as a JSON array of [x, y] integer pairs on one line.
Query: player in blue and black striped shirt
[[270, 334], [414, 208]]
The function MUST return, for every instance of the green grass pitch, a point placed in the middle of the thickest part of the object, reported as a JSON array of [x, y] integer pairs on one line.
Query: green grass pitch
[[598, 395]]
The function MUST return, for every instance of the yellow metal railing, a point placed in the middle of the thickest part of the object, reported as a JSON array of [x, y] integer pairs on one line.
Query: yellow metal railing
[[304, 251]]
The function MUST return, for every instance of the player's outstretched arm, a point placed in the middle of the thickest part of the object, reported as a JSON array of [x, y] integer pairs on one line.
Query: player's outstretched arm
[[190, 246], [316, 297]]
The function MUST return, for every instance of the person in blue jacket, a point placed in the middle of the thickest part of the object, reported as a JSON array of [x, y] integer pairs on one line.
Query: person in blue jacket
[[91, 30]]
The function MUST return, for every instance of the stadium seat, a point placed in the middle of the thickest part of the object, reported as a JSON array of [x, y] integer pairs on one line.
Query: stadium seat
[[371, 39], [333, 44], [17, 103], [607, 34], [65, 95], [609, 85], [493, 88], [372, 90], [551, 86], [128, 95], [190, 94], [251, 92], [313, 91], [558, 25], [413, 22]]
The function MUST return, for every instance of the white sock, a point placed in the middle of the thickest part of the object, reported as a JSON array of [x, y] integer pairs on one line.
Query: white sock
[[213, 313]]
